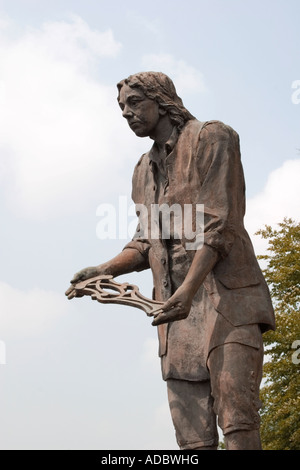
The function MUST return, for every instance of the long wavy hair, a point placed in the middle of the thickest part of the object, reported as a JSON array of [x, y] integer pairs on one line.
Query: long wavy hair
[[159, 87]]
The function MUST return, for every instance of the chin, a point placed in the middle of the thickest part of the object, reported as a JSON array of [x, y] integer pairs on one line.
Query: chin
[[140, 133]]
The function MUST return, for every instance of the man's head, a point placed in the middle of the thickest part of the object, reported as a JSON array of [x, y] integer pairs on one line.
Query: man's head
[[158, 88]]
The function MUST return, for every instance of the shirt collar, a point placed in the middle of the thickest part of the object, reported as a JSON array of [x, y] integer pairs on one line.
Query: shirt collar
[[169, 146]]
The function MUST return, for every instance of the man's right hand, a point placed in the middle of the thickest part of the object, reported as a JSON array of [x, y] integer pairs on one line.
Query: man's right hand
[[127, 261], [86, 273]]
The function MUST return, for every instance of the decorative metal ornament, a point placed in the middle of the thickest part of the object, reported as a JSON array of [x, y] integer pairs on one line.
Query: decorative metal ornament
[[106, 290]]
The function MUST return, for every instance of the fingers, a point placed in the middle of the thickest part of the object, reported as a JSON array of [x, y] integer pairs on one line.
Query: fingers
[[82, 275], [175, 314], [163, 315], [160, 318], [71, 293]]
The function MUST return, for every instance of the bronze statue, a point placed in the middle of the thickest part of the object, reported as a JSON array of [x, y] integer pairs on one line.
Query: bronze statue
[[213, 303]]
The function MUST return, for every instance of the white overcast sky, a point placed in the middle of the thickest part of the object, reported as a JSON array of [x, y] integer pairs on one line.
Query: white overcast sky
[[80, 375]]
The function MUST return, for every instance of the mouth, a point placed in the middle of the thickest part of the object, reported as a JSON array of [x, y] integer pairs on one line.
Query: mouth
[[138, 128], [133, 124]]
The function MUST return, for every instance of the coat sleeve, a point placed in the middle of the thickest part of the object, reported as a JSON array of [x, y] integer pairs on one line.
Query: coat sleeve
[[222, 191], [139, 242]]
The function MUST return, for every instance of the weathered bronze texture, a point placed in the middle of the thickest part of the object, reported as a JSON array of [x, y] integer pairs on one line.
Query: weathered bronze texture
[[214, 303]]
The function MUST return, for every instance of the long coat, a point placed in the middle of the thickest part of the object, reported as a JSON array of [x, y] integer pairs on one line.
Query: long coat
[[202, 166]]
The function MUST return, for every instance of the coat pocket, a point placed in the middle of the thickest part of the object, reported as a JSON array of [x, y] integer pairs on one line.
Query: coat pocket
[[244, 277]]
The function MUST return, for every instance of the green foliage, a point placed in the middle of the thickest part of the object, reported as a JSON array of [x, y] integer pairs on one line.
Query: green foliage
[[280, 428]]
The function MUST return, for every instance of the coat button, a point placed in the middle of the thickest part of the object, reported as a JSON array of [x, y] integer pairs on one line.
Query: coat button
[[163, 260], [165, 283]]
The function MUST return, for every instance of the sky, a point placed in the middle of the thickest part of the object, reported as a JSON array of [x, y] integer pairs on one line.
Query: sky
[[78, 374]]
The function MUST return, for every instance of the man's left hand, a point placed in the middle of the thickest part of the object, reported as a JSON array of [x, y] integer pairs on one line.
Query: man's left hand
[[176, 308]]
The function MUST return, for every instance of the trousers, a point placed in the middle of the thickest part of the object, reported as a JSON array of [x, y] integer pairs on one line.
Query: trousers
[[230, 398]]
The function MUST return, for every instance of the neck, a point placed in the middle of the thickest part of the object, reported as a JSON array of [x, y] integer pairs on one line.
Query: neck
[[162, 131]]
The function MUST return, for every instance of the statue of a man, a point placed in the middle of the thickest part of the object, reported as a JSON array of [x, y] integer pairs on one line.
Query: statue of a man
[[216, 301]]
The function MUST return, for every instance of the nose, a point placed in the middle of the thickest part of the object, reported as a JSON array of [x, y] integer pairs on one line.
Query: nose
[[127, 112]]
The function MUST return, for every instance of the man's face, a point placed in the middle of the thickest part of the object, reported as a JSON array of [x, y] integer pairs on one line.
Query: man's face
[[142, 114]]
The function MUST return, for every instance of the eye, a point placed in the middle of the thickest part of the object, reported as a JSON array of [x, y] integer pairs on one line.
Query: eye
[[134, 102]]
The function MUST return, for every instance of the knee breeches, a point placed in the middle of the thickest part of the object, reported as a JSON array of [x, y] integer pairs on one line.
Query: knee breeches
[[230, 397]]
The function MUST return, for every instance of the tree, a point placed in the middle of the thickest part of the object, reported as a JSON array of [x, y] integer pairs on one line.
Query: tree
[[280, 428]]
